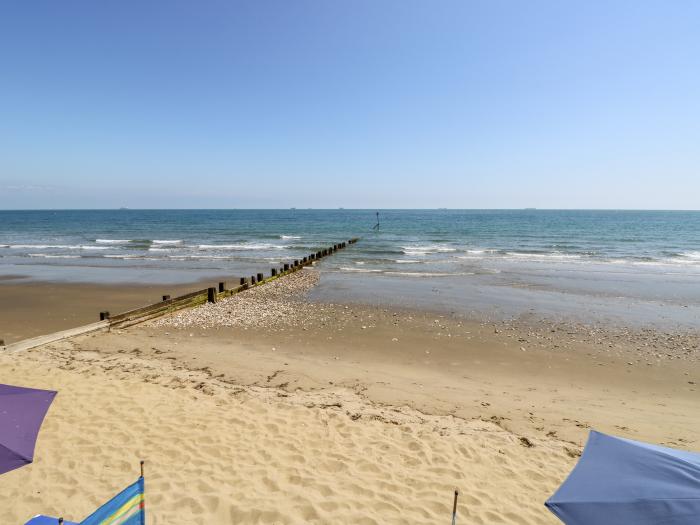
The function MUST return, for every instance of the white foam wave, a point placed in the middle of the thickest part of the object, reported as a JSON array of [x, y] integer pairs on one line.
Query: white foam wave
[[197, 257], [44, 247], [167, 241], [426, 274], [406, 261], [427, 249], [695, 255], [545, 256], [57, 247], [50, 256], [112, 241], [359, 270], [247, 246], [290, 237]]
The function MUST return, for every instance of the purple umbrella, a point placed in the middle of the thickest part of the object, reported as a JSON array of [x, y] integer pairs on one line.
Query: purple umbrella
[[22, 411]]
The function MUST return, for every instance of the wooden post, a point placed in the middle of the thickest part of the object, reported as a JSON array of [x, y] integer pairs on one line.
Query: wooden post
[[252, 279], [261, 277], [243, 281], [2, 342], [143, 511], [454, 508], [166, 298], [286, 267], [273, 272], [104, 315], [222, 287], [305, 259], [211, 294]]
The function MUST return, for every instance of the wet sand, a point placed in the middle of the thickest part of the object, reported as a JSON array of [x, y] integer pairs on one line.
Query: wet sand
[[267, 408], [31, 308]]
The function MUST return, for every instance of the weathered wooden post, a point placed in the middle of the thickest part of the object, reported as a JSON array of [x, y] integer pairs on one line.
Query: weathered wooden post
[[211, 294], [273, 272], [305, 259], [296, 262], [166, 298], [243, 281], [222, 287], [286, 267], [104, 315], [252, 279], [261, 277]]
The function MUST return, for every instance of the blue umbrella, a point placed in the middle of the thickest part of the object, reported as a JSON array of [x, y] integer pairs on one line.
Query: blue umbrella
[[22, 411], [624, 482]]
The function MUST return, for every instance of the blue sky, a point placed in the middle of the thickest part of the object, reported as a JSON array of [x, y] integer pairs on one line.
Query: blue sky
[[363, 103]]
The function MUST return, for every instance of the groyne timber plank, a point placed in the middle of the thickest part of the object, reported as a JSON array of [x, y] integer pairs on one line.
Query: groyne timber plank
[[26, 344]]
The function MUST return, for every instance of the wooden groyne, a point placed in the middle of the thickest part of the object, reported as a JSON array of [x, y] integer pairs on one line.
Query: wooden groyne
[[168, 305]]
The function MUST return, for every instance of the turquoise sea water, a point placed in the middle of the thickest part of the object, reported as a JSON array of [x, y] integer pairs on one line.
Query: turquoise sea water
[[133, 244]]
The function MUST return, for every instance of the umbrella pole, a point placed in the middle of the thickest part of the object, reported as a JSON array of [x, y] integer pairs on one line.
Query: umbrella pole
[[454, 508], [143, 514]]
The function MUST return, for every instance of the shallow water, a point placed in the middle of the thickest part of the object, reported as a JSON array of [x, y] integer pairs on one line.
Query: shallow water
[[533, 255]]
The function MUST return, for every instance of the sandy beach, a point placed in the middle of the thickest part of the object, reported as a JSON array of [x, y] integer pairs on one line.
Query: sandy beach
[[268, 408]]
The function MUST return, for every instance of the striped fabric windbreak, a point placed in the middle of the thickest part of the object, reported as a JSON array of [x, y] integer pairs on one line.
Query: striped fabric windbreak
[[126, 508]]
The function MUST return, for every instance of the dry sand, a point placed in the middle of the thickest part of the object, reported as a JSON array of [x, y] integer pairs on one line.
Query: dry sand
[[338, 413]]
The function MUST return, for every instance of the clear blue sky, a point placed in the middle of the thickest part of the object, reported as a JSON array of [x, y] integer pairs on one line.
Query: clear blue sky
[[362, 103]]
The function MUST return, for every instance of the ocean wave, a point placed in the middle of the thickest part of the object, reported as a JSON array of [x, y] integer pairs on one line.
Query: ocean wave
[[695, 255], [112, 241], [290, 237], [167, 242], [551, 255], [51, 256], [427, 274], [407, 261], [252, 246], [44, 246], [359, 270], [57, 247], [427, 249], [198, 257]]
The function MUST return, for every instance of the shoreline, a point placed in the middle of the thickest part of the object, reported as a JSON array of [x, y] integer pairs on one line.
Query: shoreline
[[29, 308]]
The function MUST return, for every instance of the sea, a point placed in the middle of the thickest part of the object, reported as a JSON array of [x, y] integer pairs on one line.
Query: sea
[[467, 255]]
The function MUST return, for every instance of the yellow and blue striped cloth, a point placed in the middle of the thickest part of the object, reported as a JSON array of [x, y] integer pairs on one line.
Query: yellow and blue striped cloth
[[126, 508]]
